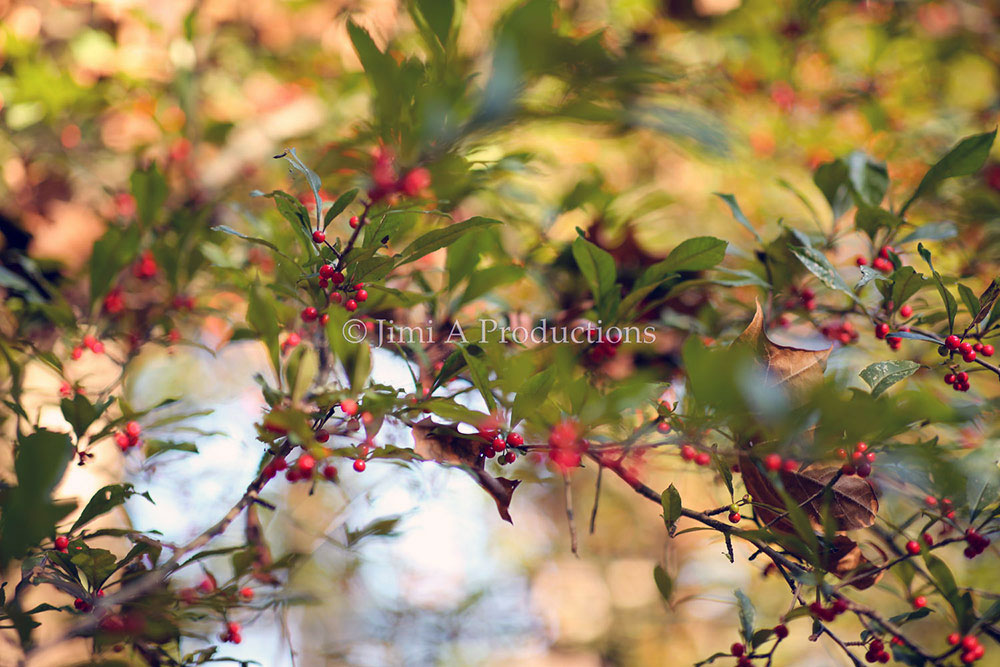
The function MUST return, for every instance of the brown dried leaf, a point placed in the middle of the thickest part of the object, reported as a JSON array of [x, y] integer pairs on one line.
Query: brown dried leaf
[[854, 505], [796, 369], [262, 552], [845, 560], [444, 444]]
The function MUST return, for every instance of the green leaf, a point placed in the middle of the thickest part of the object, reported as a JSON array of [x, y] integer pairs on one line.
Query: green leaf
[[737, 212], [664, 584], [869, 274], [820, 266], [479, 374], [531, 395], [343, 201], [487, 279], [96, 564], [870, 219], [439, 238], [597, 267], [439, 15], [79, 412], [41, 460], [696, 254], [671, 501], [905, 283], [986, 301], [969, 299], [883, 374], [149, 188], [868, 178], [832, 180], [105, 500], [747, 615], [944, 580], [263, 319], [950, 305], [110, 254], [300, 371], [252, 239], [965, 159], [932, 231]]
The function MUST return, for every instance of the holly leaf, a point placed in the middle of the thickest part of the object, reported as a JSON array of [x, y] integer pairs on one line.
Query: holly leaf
[[966, 158], [883, 374]]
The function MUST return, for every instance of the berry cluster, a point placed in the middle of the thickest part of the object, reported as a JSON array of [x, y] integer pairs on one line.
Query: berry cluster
[[232, 633], [91, 343], [976, 543], [773, 463], [877, 653], [86, 605], [129, 437], [972, 650], [969, 351], [497, 446], [387, 184], [880, 263], [739, 650], [806, 297], [843, 332], [566, 447], [836, 608], [604, 349], [882, 333], [146, 267], [958, 381], [860, 462], [689, 453]]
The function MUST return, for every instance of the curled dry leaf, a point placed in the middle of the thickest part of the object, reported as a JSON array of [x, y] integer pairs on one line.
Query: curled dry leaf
[[844, 559], [444, 444], [796, 370], [854, 504], [262, 552]]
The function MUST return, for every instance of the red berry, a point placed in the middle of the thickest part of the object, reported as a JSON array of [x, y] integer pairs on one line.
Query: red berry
[[884, 251], [870, 457], [928, 539], [737, 649], [860, 260], [964, 347], [361, 295], [359, 465], [318, 237], [688, 453], [305, 464], [780, 631], [246, 593], [415, 181], [977, 347], [954, 638], [499, 444], [969, 357], [841, 453], [949, 378], [351, 305], [133, 429], [702, 459], [840, 605], [336, 277], [919, 602], [511, 457], [881, 330], [912, 547], [330, 472], [349, 406], [353, 222], [988, 350], [790, 465], [969, 642], [906, 311], [734, 517], [515, 439], [309, 314], [863, 469], [772, 462], [62, 542], [952, 342]]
